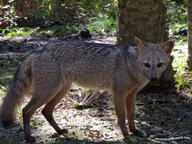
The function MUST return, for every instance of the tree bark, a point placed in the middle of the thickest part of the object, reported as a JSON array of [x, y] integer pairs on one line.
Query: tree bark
[[145, 19], [142, 18], [189, 61]]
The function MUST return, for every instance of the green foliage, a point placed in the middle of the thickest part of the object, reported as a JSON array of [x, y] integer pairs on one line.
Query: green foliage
[[74, 86], [95, 8], [103, 24], [19, 32], [176, 16], [183, 77], [101, 15], [85, 90], [39, 18], [180, 67], [52, 13], [2, 90], [66, 29], [131, 139], [8, 13], [14, 32], [4, 81], [79, 107], [48, 13], [8, 140]]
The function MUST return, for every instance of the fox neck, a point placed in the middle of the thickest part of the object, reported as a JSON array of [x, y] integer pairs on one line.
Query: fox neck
[[139, 75]]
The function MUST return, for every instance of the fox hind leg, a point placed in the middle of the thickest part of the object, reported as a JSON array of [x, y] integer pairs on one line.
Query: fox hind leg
[[49, 108], [28, 111], [40, 96]]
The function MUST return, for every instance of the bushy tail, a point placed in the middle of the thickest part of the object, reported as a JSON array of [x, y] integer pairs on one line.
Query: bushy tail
[[17, 89]]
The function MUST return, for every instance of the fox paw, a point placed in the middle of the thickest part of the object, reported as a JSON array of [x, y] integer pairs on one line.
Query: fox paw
[[137, 133]]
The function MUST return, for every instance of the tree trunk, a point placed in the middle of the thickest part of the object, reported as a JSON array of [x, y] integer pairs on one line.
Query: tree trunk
[[146, 20], [142, 18], [190, 34]]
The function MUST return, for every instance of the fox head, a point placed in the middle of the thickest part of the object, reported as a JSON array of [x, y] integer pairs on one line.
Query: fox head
[[153, 59]]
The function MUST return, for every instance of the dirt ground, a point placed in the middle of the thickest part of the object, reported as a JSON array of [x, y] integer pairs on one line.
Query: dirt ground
[[165, 116]]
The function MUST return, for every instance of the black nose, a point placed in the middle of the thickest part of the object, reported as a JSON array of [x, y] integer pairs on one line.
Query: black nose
[[153, 79]]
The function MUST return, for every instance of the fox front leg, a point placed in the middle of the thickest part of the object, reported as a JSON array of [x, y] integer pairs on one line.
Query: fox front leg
[[130, 108], [119, 102]]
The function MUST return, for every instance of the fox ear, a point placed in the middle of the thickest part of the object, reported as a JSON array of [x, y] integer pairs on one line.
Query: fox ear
[[167, 47], [142, 45]]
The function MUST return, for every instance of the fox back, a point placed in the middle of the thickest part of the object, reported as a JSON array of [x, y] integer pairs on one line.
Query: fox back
[[87, 64]]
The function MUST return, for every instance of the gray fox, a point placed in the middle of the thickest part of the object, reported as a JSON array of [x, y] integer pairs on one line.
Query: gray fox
[[51, 69]]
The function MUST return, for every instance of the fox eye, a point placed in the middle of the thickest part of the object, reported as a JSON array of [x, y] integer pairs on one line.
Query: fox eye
[[147, 65], [159, 65]]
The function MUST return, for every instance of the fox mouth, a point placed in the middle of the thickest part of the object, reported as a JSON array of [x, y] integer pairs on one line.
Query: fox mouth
[[151, 78]]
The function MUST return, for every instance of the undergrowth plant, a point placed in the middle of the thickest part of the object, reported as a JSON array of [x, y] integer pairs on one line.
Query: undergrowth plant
[[103, 25], [2, 90], [183, 77]]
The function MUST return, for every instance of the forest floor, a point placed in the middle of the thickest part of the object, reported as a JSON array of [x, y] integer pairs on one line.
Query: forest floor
[[165, 116]]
